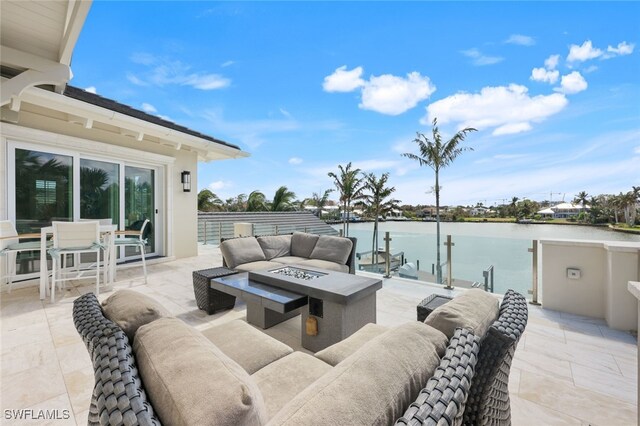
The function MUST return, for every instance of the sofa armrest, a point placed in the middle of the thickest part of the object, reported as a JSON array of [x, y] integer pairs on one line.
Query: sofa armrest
[[442, 401]]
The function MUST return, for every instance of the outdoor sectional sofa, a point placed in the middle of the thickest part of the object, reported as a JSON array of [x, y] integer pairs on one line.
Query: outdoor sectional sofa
[[300, 249], [432, 373]]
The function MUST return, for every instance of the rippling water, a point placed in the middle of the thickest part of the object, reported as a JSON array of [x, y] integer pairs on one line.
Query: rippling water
[[479, 245]]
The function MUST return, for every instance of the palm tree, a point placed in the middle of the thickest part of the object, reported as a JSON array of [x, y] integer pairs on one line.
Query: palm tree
[[379, 204], [318, 201], [581, 198], [514, 206], [256, 202], [350, 187], [437, 155], [208, 201], [628, 204], [283, 200]]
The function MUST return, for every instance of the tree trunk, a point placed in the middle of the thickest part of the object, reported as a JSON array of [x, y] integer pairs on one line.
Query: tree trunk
[[374, 244], [438, 266], [344, 218], [348, 216]]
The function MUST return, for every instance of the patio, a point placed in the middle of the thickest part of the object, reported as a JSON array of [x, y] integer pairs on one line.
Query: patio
[[567, 369]]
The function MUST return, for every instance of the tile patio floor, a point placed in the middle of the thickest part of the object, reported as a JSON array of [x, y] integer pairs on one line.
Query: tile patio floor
[[567, 369]]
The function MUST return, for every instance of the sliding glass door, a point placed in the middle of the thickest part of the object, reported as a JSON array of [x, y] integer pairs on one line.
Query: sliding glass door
[[99, 190], [139, 204]]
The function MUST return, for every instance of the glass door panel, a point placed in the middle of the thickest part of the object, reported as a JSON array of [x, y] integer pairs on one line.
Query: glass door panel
[[139, 204], [99, 190], [44, 189]]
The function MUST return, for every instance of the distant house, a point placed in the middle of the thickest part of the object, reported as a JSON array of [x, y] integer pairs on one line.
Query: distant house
[[479, 211], [564, 210], [67, 153]]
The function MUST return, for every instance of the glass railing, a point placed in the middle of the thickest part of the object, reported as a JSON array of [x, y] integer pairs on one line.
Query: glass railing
[[493, 264], [212, 232]]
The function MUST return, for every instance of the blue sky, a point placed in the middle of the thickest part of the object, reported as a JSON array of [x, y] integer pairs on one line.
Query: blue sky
[[553, 89]]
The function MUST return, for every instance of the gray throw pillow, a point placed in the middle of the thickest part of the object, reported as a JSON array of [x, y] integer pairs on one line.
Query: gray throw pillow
[[241, 250], [302, 244], [275, 245], [131, 310], [474, 309], [332, 249]]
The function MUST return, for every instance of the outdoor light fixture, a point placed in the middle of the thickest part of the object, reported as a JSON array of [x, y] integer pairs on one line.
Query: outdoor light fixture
[[185, 178]]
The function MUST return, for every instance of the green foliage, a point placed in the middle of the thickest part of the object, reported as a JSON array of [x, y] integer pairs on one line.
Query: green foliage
[[209, 202]]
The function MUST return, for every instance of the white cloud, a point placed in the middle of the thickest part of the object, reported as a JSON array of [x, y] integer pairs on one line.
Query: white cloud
[[227, 64], [392, 95], [520, 39], [163, 71], [295, 161], [572, 83], [507, 109], [91, 89], [590, 69], [479, 59], [541, 74], [219, 184], [623, 48], [637, 150], [552, 62], [165, 117], [148, 108], [285, 113], [343, 81], [583, 53]]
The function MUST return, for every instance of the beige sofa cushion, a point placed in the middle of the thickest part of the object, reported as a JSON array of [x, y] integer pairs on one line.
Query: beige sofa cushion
[[332, 249], [289, 260], [255, 266], [250, 348], [275, 245], [374, 385], [191, 382], [302, 244], [338, 352], [474, 309], [131, 310], [283, 379], [241, 250], [323, 264]]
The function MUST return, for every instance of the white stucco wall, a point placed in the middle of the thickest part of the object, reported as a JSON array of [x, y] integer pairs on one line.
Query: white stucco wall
[[601, 290], [180, 232]]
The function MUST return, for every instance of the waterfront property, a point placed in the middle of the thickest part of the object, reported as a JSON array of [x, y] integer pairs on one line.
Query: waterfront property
[[564, 211], [69, 154]]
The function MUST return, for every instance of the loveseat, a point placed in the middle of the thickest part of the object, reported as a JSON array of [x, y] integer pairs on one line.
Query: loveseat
[[233, 374], [300, 248]]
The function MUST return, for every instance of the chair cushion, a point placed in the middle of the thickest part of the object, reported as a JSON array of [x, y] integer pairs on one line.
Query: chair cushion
[[302, 244], [324, 264], [337, 352], [374, 385], [191, 382], [131, 310], [283, 379], [234, 337], [238, 251], [289, 260], [275, 245], [332, 249], [474, 309], [256, 266]]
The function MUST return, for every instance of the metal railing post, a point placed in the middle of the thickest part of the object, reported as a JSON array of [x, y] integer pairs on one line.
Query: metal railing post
[[449, 244], [485, 274], [341, 233], [534, 250], [219, 232], [387, 261], [205, 232], [276, 229]]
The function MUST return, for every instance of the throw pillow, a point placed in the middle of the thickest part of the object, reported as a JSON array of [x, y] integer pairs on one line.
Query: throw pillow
[[302, 244], [275, 245], [131, 310], [474, 309], [333, 249], [237, 251]]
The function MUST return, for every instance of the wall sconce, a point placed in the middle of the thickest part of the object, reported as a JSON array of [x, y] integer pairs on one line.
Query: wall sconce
[[185, 178]]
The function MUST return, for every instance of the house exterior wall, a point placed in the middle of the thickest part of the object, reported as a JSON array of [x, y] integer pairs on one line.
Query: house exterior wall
[[601, 291], [179, 209]]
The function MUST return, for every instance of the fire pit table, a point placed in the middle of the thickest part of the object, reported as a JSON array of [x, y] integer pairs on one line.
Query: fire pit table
[[341, 303]]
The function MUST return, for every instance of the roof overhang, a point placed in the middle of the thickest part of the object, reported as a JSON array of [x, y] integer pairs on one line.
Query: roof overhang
[[38, 38], [86, 114]]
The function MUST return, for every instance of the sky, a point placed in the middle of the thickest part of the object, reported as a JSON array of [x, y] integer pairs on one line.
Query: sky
[[553, 89]]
